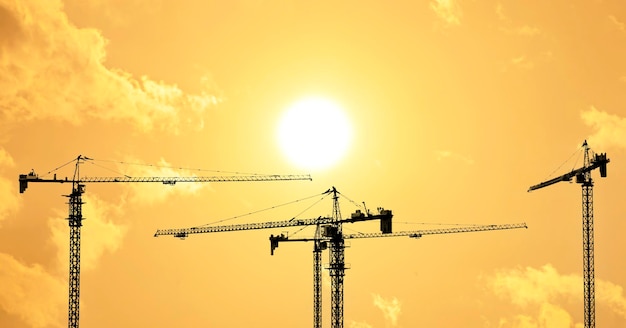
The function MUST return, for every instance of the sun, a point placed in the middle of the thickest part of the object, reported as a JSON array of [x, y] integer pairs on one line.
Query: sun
[[314, 133]]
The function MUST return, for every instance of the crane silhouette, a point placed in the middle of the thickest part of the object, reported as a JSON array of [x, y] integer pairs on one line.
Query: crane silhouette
[[329, 235], [583, 176], [75, 211]]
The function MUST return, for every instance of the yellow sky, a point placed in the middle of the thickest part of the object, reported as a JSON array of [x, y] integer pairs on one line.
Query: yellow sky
[[456, 106]]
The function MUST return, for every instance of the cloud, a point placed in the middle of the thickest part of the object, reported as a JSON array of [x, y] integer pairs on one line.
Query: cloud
[[446, 154], [119, 12], [10, 201], [449, 11], [524, 287], [391, 308], [617, 23], [550, 316], [31, 293], [609, 130], [524, 30], [547, 292], [150, 193], [522, 62], [103, 235], [528, 30], [526, 62], [354, 324], [52, 69], [38, 296], [500, 12]]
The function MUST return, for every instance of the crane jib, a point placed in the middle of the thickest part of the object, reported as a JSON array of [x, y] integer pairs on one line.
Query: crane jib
[[25, 179], [599, 161], [75, 211], [385, 215]]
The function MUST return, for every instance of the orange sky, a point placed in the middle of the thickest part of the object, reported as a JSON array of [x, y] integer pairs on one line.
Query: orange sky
[[457, 108]]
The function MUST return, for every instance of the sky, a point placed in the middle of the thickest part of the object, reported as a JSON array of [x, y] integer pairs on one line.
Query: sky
[[455, 108]]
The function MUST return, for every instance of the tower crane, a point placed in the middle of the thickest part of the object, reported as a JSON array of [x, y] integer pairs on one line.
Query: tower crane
[[583, 176], [328, 235], [321, 243], [75, 211]]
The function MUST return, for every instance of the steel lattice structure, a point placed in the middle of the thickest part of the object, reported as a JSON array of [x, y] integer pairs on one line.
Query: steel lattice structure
[[328, 234], [583, 176], [76, 217]]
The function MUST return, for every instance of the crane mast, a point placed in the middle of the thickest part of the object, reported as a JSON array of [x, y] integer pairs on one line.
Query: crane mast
[[337, 265], [75, 217], [318, 246], [328, 234], [583, 176], [75, 220]]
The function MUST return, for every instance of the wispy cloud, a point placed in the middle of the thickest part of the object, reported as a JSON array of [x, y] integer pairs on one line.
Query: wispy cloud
[[525, 286], [354, 324], [119, 13], [549, 316], [522, 62], [52, 69], [523, 30], [544, 292], [527, 30], [10, 201], [391, 308], [37, 294], [448, 11], [609, 129], [500, 12], [103, 235], [31, 293], [448, 155], [617, 23], [526, 62], [142, 193]]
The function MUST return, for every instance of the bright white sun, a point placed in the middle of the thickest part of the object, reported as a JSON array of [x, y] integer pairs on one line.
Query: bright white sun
[[314, 133]]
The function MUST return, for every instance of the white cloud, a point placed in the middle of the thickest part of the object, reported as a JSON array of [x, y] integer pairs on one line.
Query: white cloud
[[449, 11], [150, 193], [9, 200], [609, 130], [119, 12], [617, 23], [522, 62], [31, 293], [547, 293], [52, 69], [524, 30], [528, 286], [528, 30], [391, 308], [37, 295], [448, 155], [102, 236], [354, 324], [500, 12]]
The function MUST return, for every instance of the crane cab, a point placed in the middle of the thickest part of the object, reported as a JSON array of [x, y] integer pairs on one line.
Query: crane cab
[[329, 231]]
